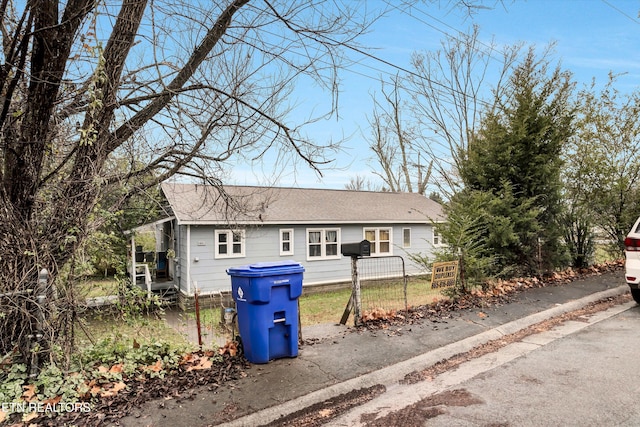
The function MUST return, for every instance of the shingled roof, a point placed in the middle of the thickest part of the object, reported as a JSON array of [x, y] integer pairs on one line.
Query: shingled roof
[[203, 204]]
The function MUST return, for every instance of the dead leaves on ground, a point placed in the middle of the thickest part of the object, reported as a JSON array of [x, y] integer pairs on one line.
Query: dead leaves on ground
[[109, 389], [504, 287], [111, 381], [492, 292], [230, 348], [378, 314], [389, 321], [196, 362]]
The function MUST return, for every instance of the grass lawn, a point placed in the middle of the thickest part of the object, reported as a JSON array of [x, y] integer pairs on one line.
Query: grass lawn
[[603, 253], [325, 307], [419, 292], [92, 287], [148, 329], [328, 307]]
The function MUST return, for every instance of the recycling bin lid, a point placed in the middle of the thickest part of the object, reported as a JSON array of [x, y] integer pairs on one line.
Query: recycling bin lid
[[259, 269]]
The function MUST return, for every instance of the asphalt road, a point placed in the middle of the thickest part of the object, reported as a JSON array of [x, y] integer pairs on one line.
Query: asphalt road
[[582, 373]]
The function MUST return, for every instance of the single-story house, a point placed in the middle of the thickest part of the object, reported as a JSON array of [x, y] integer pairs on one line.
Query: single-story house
[[208, 231]]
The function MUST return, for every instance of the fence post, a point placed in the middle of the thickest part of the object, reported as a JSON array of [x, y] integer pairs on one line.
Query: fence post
[[196, 298], [36, 345], [355, 281]]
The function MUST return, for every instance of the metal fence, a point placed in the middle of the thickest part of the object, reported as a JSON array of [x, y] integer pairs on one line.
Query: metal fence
[[379, 288], [383, 284]]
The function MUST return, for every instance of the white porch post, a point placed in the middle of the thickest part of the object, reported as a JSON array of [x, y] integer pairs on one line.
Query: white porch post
[[133, 259], [147, 279]]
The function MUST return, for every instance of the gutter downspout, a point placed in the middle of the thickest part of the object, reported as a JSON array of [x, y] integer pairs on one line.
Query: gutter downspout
[[188, 260]]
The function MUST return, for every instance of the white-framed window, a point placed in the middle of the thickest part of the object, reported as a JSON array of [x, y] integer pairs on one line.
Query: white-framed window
[[229, 243], [406, 237], [286, 241], [323, 243], [380, 239], [437, 238]]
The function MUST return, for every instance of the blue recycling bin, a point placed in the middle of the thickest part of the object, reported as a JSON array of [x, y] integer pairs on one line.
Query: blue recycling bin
[[266, 296]]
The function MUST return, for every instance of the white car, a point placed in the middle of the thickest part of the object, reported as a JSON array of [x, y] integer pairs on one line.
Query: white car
[[632, 263]]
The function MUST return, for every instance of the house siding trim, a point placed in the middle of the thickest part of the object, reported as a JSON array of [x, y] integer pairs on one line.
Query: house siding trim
[[290, 223]]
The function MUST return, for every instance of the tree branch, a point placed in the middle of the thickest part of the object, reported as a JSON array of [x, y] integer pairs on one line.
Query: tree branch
[[211, 39]]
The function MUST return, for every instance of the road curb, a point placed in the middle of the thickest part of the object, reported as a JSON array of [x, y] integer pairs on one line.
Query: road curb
[[394, 373]]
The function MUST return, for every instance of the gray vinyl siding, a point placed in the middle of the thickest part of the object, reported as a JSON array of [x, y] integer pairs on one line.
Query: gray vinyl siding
[[203, 270], [262, 244], [181, 257]]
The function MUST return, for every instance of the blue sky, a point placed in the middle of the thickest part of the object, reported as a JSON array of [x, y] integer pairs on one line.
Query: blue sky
[[593, 38]]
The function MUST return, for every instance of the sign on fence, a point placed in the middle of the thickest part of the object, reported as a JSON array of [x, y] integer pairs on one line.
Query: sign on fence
[[444, 274]]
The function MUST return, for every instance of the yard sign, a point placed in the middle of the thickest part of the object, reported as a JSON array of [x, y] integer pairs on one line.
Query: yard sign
[[444, 274]]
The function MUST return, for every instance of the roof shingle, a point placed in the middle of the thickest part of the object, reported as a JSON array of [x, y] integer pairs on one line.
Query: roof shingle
[[201, 204]]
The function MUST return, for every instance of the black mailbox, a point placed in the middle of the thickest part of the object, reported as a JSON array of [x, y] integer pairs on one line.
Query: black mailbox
[[356, 249]]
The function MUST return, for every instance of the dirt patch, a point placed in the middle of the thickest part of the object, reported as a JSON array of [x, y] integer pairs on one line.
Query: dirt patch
[[323, 412], [427, 408]]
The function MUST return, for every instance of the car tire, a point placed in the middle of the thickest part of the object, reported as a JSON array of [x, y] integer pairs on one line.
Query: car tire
[[635, 293]]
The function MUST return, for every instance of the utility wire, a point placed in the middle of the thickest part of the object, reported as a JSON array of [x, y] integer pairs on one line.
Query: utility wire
[[620, 11], [407, 12]]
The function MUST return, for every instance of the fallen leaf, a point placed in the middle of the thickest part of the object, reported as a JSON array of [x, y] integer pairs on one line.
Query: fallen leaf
[[187, 358], [95, 390], [116, 369], [117, 387], [103, 369], [482, 315], [233, 350], [230, 347], [29, 393], [201, 363], [156, 367]]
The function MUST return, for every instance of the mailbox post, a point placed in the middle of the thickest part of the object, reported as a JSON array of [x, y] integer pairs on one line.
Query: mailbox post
[[355, 251]]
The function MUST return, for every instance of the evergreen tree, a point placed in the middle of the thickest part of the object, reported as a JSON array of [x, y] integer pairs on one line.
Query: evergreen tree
[[516, 156]]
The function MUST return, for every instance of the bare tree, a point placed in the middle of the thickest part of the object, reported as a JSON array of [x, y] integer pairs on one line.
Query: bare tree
[[396, 144], [174, 87], [361, 183], [601, 170], [422, 121], [450, 90]]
